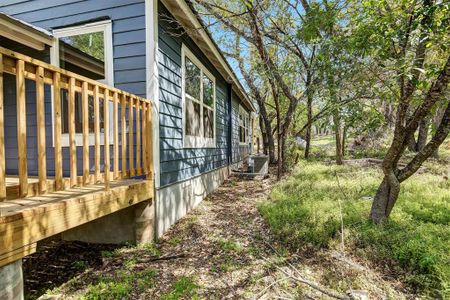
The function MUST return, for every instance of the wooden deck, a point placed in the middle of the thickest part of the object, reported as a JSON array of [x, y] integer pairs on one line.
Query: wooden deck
[[23, 222], [32, 209]]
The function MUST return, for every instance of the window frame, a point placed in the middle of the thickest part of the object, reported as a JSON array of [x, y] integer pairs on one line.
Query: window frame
[[98, 26], [190, 141], [245, 115]]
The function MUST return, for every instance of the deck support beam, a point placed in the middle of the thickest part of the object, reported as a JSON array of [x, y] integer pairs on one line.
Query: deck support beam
[[134, 224]]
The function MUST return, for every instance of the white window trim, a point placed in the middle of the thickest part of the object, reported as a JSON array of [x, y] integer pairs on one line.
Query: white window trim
[[188, 140], [246, 115], [106, 27]]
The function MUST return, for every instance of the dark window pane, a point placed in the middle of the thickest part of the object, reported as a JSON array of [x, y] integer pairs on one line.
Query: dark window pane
[[102, 115], [208, 123], [192, 79], [192, 118], [65, 111], [208, 91], [91, 114], [78, 113]]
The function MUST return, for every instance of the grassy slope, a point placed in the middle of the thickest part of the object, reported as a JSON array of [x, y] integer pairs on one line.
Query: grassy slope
[[304, 213]]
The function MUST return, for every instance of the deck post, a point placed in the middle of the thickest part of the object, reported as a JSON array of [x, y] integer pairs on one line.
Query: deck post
[[2, 136], [150, 166], [11, 281], [144, 223]]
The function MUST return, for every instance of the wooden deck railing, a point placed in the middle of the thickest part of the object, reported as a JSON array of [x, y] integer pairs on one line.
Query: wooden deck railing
[[139, 130]]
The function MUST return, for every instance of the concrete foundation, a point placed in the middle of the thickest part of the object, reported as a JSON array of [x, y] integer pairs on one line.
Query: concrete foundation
[[134, 224], [175, 201], [11, 281]]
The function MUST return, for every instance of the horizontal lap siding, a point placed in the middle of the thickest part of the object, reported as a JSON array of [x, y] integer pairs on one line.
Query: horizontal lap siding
[[239, 152], [177, 162], [128, 26]]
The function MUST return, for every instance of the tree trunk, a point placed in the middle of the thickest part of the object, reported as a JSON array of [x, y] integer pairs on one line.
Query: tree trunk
[[280, 158], [344, 139], [436, 121], [283, 153], [338, 136], [309, 116], [412, 144], [271, 146], [385, 198], [423, 134], [263, 136]]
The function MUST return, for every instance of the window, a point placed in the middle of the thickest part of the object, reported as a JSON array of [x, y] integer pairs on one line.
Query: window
[[86, 50], [243, 126], [199, 98]]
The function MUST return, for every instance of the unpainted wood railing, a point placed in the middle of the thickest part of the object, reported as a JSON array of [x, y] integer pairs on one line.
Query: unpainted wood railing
[[139, 161]]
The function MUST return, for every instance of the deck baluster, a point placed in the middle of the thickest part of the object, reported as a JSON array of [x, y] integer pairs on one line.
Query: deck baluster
[[72, 141], [21, 128], [138, 138], [57, 130], [40, 121], [131, 136], [144, 138], [85, 123], [123, 123], [97, 133], [116, 134], [106, 137]]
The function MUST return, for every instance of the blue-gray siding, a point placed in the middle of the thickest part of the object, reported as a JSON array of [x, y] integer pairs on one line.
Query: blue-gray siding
[[177, 162], [128, 22], [238, 151], [128, 26]]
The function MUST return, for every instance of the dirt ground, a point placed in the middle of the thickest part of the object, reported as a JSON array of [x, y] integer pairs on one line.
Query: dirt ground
[[223, 248]]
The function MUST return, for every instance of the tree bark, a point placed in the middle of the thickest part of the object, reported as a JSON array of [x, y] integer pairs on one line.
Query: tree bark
[[423, 134], [412, 144], [309, 101], [385, 198], [437, 119], [338, 137], [344, 139]]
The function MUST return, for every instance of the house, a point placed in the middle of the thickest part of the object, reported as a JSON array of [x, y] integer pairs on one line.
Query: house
[[138, 75]]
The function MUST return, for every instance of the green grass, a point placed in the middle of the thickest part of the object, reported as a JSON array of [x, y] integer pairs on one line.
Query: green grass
[[184, 288], [229, 245], [304, 213], [120, 285]]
